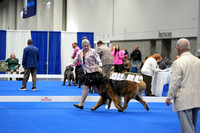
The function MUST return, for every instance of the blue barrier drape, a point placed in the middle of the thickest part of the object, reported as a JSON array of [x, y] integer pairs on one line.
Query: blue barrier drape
[[54, 63], [89, 35], [2, 44], [40, 41]]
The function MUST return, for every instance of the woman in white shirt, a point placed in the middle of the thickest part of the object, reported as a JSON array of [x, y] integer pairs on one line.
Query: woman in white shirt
[[148, 70]]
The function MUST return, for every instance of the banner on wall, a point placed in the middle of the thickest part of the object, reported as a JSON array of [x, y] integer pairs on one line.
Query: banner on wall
[[29, 8]]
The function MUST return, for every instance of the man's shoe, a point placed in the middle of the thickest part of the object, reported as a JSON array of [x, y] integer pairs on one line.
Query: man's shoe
[[23, 88], [78, 106], [33, 88]]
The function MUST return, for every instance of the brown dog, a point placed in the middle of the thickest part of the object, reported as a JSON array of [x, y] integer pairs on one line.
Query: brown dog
[[112, 89]]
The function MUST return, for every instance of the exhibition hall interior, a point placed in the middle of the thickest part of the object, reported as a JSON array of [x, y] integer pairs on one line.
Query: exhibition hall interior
[[99, 66]]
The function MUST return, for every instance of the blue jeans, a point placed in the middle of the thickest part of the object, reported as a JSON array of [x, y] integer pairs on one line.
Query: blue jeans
[[136, 61]]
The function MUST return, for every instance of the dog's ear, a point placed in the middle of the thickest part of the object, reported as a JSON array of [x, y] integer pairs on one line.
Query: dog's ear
[[72, 69]]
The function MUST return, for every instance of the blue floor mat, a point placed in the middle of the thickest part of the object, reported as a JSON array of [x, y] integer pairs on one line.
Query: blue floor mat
[[62, 117], [44, 88]]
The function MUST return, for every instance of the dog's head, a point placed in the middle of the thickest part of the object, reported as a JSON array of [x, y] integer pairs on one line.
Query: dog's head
[[142, 85], [101, 83]]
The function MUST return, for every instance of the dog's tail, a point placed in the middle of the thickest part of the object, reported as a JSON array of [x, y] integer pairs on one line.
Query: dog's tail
[[142, 85]]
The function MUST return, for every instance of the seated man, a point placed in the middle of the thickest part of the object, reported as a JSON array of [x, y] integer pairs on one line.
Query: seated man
[[13, 64], [126, 65]]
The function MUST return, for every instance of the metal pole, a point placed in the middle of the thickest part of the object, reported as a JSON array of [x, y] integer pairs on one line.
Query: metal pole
[[47, 51]]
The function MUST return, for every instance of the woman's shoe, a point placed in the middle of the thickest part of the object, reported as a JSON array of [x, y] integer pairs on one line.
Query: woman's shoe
[[78, 106]]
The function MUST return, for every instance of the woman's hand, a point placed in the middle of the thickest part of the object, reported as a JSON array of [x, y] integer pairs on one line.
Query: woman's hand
[[67, 66], [99, 70], [16, 66]]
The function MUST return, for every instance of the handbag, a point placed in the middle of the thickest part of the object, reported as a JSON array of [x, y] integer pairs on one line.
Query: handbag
[[4, 66]]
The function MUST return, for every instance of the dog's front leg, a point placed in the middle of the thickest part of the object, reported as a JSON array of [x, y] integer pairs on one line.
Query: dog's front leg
[[127, 98], [99, 103], [115, 100]]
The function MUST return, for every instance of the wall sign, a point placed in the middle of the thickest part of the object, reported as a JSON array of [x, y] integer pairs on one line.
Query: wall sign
[[164, 34]]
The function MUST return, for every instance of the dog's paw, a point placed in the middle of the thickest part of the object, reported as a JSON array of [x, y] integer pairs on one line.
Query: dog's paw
[[63, 84], [120, 110], [147, 108], [69, 85], [93, 109]]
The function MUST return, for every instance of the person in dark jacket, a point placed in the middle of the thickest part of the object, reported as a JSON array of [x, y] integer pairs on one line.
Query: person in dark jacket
[[30, 63], [136, 56]]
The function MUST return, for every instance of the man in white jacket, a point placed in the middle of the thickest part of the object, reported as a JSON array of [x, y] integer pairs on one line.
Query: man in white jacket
[[184, 87]]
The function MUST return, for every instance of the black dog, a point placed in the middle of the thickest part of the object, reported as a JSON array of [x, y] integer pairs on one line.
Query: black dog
[[68, 74], [80, 77]]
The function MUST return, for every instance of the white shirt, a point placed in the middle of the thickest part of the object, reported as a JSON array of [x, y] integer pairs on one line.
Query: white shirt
[[149, 67]]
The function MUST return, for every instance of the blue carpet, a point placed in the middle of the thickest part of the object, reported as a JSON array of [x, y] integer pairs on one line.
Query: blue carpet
[[45, 117], [44, 88]]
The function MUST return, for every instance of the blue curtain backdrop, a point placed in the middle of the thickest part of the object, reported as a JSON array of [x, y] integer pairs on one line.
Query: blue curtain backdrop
[[40, 41], [2, 44], [54, 63], [89, 35]]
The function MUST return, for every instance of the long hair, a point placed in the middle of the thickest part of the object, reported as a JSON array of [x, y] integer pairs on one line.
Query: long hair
[[117, 50]]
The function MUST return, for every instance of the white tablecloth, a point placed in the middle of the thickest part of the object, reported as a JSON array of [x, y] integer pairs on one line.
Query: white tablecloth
[[159, 79]]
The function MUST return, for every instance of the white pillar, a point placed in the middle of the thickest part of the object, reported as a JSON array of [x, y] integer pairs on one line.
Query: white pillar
[[198, 36], [11, 15], [57, 15]]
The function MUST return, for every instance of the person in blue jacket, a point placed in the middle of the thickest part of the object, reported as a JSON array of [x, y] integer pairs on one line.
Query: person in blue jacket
[[30, 63]]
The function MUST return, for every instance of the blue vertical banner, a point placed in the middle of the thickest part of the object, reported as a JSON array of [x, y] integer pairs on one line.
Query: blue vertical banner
[[29, 8], [89, 35], [2, 44], [40, 41], [54, 58]]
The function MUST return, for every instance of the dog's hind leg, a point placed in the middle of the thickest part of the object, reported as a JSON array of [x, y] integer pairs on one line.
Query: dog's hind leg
[[99, 103], [64, 80], [142, 102], [69, 79]]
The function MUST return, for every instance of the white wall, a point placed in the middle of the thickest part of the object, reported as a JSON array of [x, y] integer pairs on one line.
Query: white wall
[[24, 24], [90, 15], [7, 15], [133, 19], [144, 19], [43, 20], [3, 18], [109, 19]]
